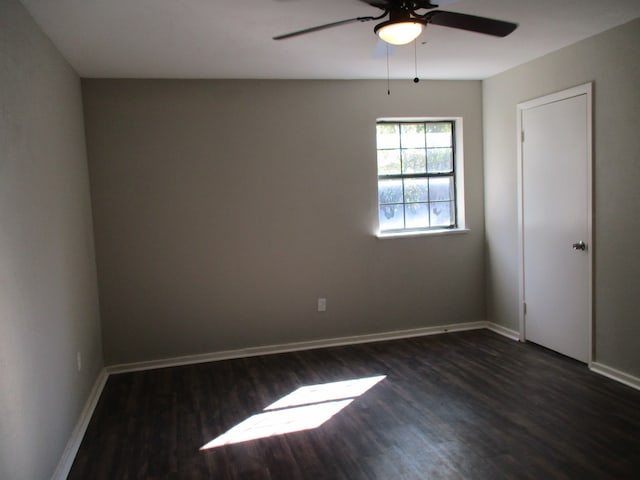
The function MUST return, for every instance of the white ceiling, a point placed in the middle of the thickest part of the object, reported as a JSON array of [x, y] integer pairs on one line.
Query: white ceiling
[[232, 38]]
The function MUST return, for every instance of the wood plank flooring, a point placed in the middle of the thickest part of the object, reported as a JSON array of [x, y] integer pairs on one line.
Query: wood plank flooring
[[467, 405]]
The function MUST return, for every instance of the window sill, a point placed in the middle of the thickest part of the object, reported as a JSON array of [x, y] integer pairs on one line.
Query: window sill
[[423, 233]]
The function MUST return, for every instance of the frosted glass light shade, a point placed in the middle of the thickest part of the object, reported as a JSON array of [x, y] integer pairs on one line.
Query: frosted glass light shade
[[399, 33]]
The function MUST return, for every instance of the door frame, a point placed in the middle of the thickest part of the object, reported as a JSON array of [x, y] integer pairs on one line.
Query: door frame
[[585, 89]]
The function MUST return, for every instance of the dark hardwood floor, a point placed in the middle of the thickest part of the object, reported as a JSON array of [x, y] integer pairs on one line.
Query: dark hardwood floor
[[467, 405]]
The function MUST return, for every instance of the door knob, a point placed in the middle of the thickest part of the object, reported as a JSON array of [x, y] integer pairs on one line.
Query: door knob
[[579, 246]]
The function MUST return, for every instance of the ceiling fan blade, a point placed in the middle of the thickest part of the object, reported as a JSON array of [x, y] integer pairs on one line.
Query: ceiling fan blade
[[323, 27], [489, 26], [427, 4], [382, 4]]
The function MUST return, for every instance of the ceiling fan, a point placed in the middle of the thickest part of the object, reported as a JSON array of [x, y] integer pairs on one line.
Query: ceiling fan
[[406, 23]]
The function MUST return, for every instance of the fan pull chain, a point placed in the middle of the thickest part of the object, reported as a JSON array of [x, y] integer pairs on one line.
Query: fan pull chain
[[388, 83], [415, 60]]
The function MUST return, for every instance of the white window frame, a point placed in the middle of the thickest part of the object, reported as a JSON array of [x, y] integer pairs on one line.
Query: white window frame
[[459, 181]]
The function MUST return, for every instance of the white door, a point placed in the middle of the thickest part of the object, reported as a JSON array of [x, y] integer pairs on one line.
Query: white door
[[556, 221]]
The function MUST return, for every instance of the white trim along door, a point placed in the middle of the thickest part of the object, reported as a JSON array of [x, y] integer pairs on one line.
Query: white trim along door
[[555, 221]]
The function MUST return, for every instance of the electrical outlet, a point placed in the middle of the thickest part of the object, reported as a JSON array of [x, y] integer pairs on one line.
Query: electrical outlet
[[322, 304], [79, 360]]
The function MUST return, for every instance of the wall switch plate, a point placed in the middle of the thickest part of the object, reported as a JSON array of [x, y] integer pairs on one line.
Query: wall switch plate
[[322, 304]]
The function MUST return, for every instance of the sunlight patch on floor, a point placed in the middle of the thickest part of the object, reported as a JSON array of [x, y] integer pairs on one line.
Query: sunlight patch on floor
[[306, 408]]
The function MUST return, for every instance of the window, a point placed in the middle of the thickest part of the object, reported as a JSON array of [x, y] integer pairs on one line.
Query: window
[[417, 162]]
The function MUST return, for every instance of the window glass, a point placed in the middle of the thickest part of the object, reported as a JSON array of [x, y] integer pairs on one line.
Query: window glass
[[416, 175]]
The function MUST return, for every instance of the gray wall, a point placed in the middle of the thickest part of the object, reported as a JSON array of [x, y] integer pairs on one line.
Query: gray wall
[[48, 287], [224, 209], [610, 60]]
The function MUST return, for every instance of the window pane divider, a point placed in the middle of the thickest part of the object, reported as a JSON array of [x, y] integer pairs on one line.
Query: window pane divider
[[400, 176]]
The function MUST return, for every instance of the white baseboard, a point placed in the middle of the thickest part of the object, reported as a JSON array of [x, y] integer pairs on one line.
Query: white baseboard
[[614, 374], [71, 449], [504, 331], [292, 347]]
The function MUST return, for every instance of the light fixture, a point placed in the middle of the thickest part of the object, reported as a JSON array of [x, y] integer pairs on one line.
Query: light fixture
[[399, 32]]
